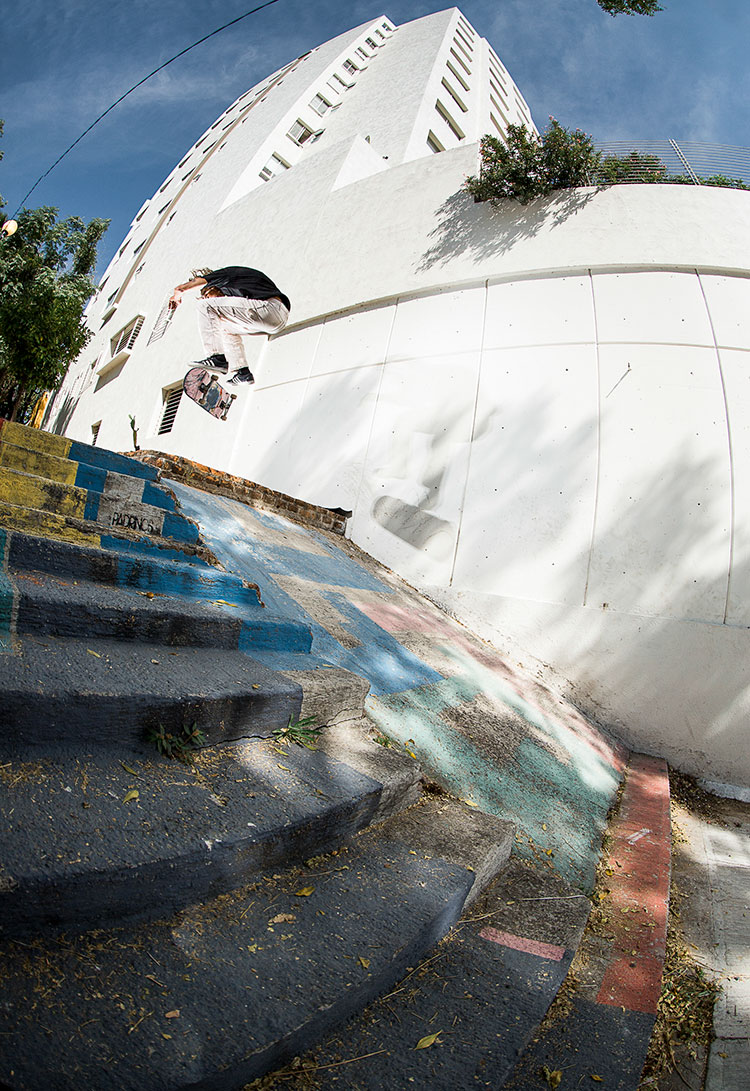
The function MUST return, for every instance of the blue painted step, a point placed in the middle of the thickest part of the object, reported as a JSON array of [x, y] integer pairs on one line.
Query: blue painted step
[[64, 692], [162, 573]]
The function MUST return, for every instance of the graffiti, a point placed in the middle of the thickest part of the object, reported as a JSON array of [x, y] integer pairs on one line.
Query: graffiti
[[133, 522]]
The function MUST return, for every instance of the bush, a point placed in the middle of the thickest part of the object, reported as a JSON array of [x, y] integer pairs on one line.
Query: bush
[[526, 166]]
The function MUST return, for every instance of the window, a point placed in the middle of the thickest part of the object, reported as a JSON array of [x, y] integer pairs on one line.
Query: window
[[139, 247], [275, 165], [95, 432], [362, 54], [171, 401], [433, 143], [300, 132], [458, 76], [462, 38], [380, 35], [463, 64], [342, 84], [452, 125], [350, 66], [320, 104], [497, 125], [163, 210], [372, 44], [461, 105], [125, 339], [457, 42]]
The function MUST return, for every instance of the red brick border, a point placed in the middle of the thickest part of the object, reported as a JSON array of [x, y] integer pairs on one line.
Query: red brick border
[[638, 875], [247, 492]]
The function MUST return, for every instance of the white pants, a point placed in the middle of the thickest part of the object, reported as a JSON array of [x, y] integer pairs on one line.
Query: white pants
[[224, 321]]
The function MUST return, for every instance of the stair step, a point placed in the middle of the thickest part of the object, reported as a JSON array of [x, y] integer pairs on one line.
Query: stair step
[[34, 439], [45, 605], [118, 507], [485, 990], [61, 691], [138, 566], [220, 994], [93, 478], [192, 832]]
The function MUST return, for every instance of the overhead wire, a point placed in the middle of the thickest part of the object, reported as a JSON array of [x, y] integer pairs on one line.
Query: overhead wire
[[135, 87]]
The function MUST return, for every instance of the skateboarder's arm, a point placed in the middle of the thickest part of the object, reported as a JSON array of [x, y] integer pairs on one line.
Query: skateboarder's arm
[[176, 296]]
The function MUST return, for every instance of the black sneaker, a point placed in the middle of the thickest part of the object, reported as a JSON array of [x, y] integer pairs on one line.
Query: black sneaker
[[244, 375], [217, 362]]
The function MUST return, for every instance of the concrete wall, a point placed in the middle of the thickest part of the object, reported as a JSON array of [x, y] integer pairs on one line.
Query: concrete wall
[[558, 456]]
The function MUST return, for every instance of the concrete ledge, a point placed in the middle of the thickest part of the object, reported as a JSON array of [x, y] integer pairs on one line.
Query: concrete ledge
[[247, 492]]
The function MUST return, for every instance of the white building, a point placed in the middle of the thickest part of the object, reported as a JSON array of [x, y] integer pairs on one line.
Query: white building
[[538, 415]]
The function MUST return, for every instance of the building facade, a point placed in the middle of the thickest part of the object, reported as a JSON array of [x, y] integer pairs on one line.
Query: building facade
[[538, 414]]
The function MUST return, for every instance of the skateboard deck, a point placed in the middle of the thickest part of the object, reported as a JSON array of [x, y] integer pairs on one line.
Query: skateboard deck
[[207, 392]]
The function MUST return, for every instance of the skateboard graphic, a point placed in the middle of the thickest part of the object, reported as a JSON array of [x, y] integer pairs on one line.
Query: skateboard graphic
[[207, 392]]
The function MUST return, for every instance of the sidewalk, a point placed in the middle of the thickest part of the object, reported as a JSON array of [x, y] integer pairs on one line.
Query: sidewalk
[[714, 870]]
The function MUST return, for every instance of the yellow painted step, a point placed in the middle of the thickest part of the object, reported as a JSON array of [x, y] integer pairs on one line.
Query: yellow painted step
[[38, 463], [32, 439], [46, 524], [25, 491]]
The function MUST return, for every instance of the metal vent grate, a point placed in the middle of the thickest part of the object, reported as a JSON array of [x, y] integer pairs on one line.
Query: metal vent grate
[[171, 405]]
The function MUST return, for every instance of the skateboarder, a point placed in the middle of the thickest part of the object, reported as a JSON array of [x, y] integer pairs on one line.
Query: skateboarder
[[235, 302]]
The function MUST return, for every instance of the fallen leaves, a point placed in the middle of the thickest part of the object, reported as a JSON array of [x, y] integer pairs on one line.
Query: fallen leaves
[[553, 1078], [305, 892], [429, 1040], [132, 794]]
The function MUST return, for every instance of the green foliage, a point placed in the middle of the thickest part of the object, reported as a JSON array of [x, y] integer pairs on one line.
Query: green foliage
[[630, 7], [180, 745], [526, 166], [299, 732], [649, 169], [45, 280], [46, 272], [633, 167]]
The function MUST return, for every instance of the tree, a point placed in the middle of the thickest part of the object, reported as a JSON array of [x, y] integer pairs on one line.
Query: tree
[[45, 280], [526, 166], [629, 7]]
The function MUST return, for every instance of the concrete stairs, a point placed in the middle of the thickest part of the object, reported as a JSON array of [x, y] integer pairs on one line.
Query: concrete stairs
[[168, 925]]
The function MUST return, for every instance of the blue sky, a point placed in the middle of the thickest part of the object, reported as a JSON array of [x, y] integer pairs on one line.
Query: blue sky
[[683, 75]]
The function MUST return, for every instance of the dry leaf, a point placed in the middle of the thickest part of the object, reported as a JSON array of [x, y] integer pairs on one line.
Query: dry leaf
[[132, 794], [305, 892], [173, 1014], [364, 962], [552, 1078], [93, 653], [256, 685], [597, 1078], [282, 918], [128, 769], [285, 767], [428, 1040]]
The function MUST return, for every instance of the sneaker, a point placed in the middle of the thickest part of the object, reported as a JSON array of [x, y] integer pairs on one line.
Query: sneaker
[[217, 362], [244, 375]]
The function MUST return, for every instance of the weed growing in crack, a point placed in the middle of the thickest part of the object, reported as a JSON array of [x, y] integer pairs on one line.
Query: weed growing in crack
[[180, 745]]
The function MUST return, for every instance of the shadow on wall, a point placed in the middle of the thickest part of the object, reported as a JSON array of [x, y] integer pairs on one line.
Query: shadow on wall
[[652, 581], [485, 231]]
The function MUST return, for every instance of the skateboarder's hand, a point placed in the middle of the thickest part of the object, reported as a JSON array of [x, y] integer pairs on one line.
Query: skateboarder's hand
[[175, 299]]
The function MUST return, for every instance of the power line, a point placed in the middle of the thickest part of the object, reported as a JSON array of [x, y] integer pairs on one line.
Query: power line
[[135, 87]]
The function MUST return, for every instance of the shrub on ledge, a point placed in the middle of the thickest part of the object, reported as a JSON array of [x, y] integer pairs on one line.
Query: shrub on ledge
[[526, 166]]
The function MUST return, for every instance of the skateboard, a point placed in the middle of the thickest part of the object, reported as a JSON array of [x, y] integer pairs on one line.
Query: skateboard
[[207, 392]]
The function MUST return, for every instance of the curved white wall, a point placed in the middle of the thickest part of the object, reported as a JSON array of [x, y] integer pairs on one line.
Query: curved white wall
[[562, 458]]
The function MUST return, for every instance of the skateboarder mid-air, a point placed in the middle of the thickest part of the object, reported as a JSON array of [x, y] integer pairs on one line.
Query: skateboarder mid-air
[[235, 302]]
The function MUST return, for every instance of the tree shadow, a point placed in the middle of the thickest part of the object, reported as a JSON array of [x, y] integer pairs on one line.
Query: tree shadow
[[485, 229]]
